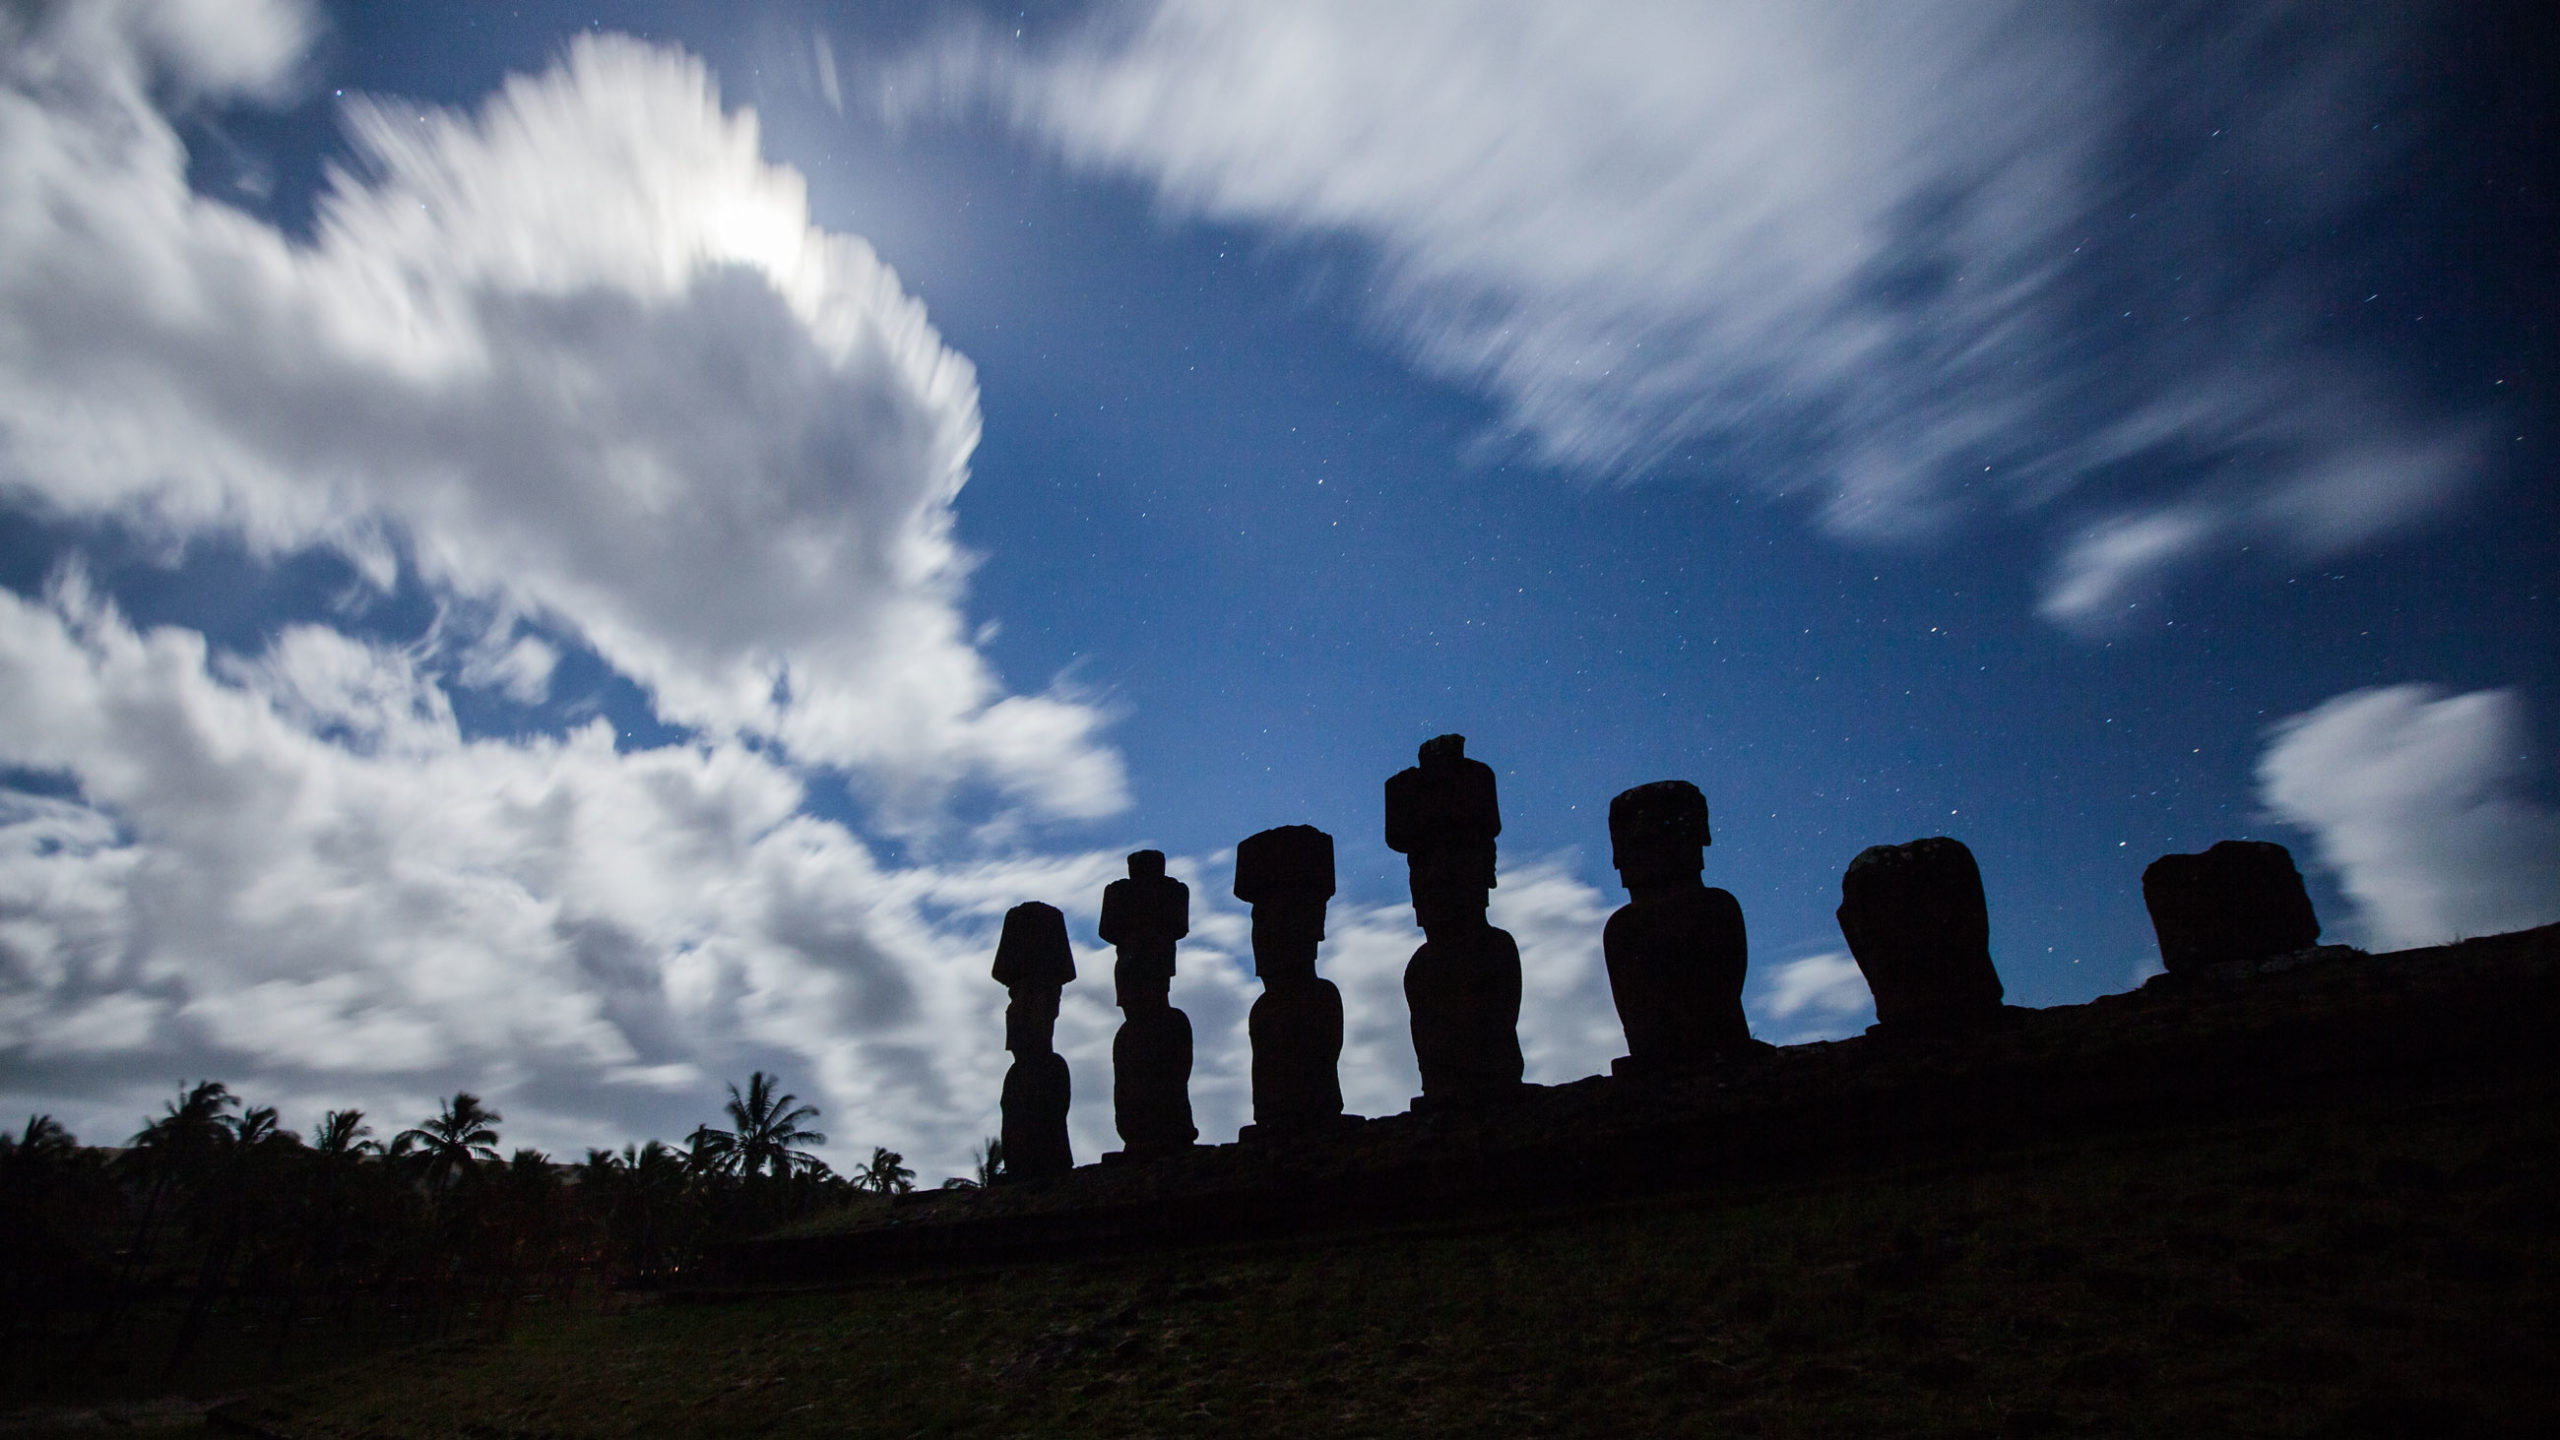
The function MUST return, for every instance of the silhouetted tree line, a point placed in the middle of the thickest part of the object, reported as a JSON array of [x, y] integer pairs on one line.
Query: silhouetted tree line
[[214, 1208]]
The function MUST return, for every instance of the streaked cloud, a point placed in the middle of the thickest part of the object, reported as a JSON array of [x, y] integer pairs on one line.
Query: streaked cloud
[[2420, 802], [1822, 996], [1929, 266]]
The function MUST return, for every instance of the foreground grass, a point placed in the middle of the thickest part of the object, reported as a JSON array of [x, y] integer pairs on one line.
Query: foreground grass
[[2381, 1270]]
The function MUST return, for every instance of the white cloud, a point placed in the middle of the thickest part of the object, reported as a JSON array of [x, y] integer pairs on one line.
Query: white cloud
[[1813, 997], [2417, 800], [2118, 557], [1919, 261], [294, 873], [582, 350]]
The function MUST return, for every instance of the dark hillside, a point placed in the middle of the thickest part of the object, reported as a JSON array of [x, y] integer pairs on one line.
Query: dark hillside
[[2326, 1027], [2323, 1200]]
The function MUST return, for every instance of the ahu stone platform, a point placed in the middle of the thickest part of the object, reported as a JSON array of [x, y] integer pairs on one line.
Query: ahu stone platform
[[2320, 1026]]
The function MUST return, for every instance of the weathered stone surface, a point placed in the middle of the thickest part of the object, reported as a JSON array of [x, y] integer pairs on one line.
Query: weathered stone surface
[[2239, 900], [1035, 1117], [1463, 989], [1915, 920], [1030, 1019], [1151, 1076], [1287, 862], [1142, 918], [1658, 827], [1033, 962], [1677, 951], [1676, 967], [1145, 915], [1286, 875], [1463, 986], [1033, 949], [1445, 800], [1296, 1029]]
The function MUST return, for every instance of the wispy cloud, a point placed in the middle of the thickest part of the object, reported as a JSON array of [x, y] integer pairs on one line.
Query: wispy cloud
[[2419, 801], [1932, 265], [1822, 996]]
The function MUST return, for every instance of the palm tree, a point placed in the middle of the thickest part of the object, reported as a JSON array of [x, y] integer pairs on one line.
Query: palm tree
[[709, 1153], [44, 1136], [464, 1135], [343, 1133], [768, 1138], [887, 1173], [189, 1126], [175, 1150], [990, 1161], [244, 1195], [653, 1179], [259, 1126]]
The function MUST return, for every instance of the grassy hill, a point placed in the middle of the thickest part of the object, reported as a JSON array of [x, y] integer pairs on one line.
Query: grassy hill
[[2379, 1268]]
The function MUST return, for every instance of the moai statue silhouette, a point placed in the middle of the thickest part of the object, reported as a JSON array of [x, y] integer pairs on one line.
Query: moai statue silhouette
[[1142, 918], [2239, 900], [1286, 875], [1916, 923], [1677, 949], [1033, 963], [1463, 985]]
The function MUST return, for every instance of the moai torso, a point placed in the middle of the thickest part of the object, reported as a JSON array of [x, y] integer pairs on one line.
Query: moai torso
[[1035, 1117], [1463, 985], [1916, 924], [1034, 963], [1142, 918], [1296, 1030], [1677, 951], [2239, 900], [1286, 875], [1463, 990], [1151, 1082]]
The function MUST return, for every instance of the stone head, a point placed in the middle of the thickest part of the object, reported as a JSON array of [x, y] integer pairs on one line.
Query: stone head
[[1451, 885], [1031, 1019], [1142, 989], [1657, 833]]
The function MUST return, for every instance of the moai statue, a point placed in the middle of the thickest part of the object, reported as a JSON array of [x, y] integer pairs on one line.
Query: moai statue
[[2240, 900], [1915, 920], [1142, 917], [1286, 875], [1676, 949], [1033, 963], [1463, 985]]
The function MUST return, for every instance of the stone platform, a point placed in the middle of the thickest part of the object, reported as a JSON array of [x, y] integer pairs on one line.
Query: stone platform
[[2324, 1026]]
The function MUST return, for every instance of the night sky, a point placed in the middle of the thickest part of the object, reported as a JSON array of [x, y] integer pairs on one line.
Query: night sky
[[575, 553]]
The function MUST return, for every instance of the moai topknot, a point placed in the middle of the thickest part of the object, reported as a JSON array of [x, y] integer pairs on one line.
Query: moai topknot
[[2240, 900], [1915, 920], [1677, 949], [1286, 875], [1142, 918], [1463, 985], [1033, 963]]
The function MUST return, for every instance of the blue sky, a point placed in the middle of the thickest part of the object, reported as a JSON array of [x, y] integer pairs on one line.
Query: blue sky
[[574, 553]]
